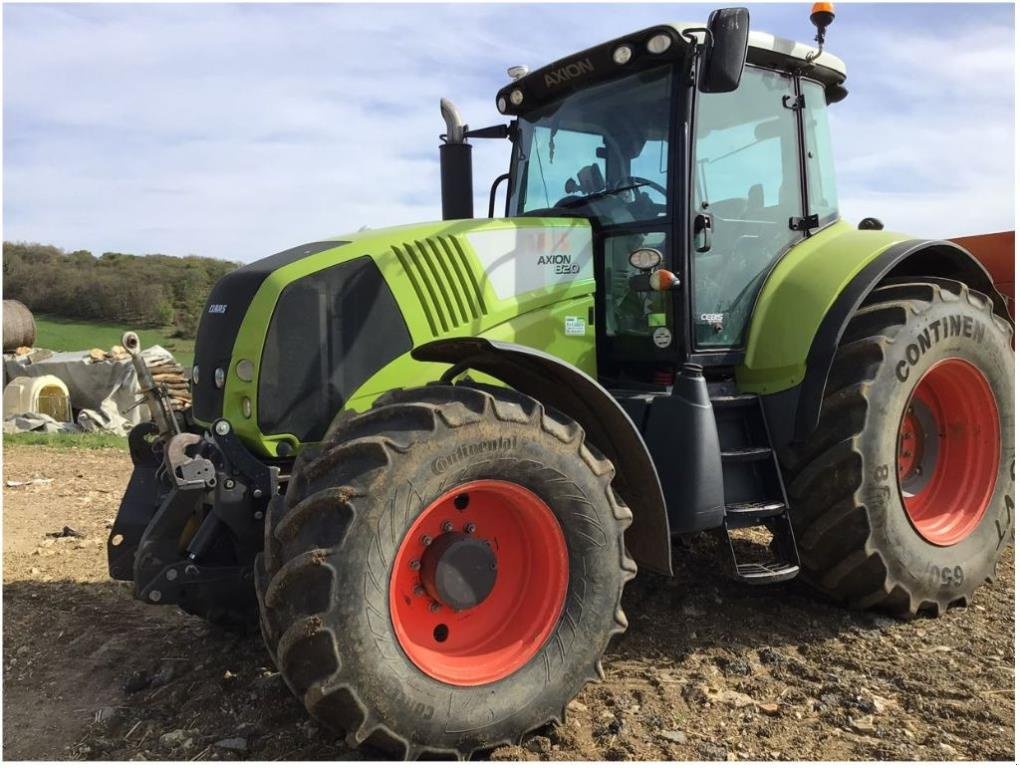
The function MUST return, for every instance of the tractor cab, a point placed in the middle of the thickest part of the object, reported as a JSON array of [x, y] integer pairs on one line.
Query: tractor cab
[[700, 150]]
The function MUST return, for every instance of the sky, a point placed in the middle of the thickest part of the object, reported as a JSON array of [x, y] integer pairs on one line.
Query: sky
[[236, 131]]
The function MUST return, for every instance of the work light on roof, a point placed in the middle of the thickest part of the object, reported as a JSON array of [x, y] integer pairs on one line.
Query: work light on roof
[[516, 97], [622, 54], [659, 44], [501, 104]]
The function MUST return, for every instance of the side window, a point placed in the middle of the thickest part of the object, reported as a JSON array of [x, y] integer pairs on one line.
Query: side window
[[821, 168], [747, 188]]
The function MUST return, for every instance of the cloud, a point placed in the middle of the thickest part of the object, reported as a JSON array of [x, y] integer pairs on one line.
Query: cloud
[[926, 141], [240, 130]]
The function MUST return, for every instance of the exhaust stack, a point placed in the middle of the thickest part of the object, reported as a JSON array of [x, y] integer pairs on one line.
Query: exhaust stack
[[455, 166]]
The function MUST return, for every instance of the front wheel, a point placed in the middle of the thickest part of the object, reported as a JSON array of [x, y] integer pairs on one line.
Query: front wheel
[[903, 497], [447, 574]]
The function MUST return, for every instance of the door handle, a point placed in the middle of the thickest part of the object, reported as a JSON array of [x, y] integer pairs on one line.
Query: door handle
[[703, 232]]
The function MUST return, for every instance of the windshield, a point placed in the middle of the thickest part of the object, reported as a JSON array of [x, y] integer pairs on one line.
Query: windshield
[[601, 152]]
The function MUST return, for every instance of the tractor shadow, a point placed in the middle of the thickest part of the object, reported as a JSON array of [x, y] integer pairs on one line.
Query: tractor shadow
[[702, 608]]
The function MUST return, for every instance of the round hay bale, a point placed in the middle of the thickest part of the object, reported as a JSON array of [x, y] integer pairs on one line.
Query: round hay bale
[[19, 325]]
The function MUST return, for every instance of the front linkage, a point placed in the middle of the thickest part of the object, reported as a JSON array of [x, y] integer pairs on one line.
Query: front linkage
[[190, 523]]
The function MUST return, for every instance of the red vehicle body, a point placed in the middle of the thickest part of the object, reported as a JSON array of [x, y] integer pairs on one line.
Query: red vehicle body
[[997, 251]]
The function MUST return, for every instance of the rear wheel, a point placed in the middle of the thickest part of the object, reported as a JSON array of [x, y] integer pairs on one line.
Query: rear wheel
[[446, 575], [903, 497]]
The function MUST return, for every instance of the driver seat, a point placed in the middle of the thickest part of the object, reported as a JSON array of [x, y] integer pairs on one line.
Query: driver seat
[[755, 207]]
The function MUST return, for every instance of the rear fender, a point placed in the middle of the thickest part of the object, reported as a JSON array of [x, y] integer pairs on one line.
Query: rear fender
[[907, 259], [571, 391]]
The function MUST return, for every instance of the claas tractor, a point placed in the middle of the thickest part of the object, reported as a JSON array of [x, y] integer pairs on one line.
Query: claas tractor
[[427, 460]]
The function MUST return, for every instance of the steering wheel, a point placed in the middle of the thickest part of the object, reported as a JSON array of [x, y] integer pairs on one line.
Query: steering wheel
[[641, 181]]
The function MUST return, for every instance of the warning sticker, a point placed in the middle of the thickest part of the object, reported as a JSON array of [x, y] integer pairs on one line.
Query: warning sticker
[[573, 326], [662, 337]]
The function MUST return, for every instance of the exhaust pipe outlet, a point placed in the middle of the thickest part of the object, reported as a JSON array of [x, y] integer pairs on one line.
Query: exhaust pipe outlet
[[455, 166]]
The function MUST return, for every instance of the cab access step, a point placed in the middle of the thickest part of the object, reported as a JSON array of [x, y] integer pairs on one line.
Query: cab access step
[[714, 456], [755, 496]]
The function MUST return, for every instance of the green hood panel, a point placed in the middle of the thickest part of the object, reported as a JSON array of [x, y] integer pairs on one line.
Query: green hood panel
[[797, 294], [478, 277]]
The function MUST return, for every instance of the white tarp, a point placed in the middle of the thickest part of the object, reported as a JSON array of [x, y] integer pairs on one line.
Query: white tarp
[[37, 422], [103, 393]]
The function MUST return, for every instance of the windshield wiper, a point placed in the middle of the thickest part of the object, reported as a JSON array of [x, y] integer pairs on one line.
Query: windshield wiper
[[602, 193]]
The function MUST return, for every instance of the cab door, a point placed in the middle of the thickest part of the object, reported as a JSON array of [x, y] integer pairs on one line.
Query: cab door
[[747, 201]]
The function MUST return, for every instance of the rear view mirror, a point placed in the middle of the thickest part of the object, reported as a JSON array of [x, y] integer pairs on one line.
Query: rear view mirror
[[725, 50]]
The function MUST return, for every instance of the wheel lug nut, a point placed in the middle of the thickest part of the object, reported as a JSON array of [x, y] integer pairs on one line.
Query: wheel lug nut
[[419, 590], [447, 526], [469, 528], [434, 608], [426, 540], [415, 565]]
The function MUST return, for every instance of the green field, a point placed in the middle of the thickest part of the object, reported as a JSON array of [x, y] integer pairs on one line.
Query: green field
[[71, 335], [67, 440]]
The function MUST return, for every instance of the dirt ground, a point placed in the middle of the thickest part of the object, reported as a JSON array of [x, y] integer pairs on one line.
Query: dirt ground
[[709, 669]]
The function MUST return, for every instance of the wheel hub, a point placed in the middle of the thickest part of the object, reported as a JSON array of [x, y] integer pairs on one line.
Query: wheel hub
[[919, 448], [479, 582], [458, 571]]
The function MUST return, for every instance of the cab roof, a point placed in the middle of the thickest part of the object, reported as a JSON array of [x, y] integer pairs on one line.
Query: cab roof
[[596, 64], [789, 50]]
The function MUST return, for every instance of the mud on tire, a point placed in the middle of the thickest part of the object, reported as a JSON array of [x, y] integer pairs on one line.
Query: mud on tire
[[856, 539], [323, 578]]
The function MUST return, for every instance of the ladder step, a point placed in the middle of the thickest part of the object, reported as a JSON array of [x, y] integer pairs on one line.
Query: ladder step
[[733, 401], [756, 508], [747, 454], [767, 573]]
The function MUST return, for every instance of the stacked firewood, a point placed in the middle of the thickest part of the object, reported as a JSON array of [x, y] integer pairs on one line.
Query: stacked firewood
[[166, 372]]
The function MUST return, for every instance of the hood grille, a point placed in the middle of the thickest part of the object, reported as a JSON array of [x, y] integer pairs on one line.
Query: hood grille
[[441, 275]]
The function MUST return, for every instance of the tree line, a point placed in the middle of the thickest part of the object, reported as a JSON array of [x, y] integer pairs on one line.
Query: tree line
[[139, 291]]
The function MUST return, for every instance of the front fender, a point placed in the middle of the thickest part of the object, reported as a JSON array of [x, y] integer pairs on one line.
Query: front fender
[[566, 388]]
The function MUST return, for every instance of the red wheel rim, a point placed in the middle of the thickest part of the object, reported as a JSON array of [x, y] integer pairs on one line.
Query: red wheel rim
[[948, 451], [510, 624]]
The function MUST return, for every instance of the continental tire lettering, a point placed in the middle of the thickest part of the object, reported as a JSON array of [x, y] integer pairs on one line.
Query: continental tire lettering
[[424, 711], [948, 327], [464, 452], [924, 341]]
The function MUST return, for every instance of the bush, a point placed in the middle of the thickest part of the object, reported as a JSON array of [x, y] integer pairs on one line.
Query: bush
[[140, 291]]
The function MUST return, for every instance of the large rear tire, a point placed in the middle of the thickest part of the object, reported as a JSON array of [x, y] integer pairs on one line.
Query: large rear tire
[[358, 605], [902, 499]]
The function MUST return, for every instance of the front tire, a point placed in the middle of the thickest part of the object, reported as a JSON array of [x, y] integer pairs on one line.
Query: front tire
[[372, 643], [902, 499]]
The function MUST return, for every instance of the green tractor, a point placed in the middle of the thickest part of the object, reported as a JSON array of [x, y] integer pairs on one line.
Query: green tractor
[[428, 459]]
